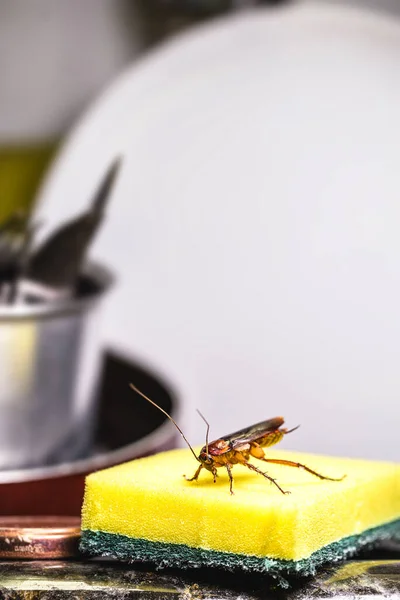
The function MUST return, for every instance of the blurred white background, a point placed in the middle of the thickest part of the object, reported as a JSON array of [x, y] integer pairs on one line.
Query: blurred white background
[[56, 56], [255, 226]]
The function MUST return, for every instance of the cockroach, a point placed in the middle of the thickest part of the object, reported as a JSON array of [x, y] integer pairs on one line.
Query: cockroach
[[237, 448]]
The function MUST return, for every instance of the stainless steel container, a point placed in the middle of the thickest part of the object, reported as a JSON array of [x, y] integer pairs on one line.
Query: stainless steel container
[[49, 362]]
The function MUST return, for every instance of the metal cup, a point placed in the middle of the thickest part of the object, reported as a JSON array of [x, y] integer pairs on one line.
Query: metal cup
[[49, 366]]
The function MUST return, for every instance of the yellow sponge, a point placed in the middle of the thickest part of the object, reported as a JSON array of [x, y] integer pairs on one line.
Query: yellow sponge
[[145, 510]]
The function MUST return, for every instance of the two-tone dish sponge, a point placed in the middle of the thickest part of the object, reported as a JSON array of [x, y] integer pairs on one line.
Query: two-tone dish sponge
[[145, 511]]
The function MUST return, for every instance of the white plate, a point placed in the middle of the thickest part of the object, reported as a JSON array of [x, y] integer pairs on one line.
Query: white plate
[[255, 226]]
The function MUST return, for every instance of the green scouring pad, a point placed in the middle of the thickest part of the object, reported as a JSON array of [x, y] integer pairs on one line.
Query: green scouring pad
[[145, 511]]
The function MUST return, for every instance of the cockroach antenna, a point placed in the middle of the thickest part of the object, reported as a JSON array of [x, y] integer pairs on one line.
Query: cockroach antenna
[[294, 429], [135, 389], [208, 428]]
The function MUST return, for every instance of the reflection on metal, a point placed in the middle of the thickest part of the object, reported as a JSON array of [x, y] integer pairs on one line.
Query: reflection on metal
[[108, 579], [49, 359], [39, 537]]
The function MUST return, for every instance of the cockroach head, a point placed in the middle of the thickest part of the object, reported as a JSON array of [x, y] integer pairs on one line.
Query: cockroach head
[[205, 459]]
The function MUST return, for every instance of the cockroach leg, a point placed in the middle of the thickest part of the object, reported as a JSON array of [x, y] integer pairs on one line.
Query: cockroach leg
[[215, 475], [257, 470], [195, 476], [229, 469], [289, 463]]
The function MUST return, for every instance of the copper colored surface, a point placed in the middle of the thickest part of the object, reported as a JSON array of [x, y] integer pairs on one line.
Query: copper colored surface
[[39, 537]]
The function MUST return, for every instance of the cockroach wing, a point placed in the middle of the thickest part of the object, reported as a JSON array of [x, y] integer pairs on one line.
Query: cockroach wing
[[254, 432], [218, 447]]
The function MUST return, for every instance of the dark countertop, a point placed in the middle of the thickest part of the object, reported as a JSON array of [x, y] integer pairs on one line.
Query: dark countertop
[[28, 580]]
